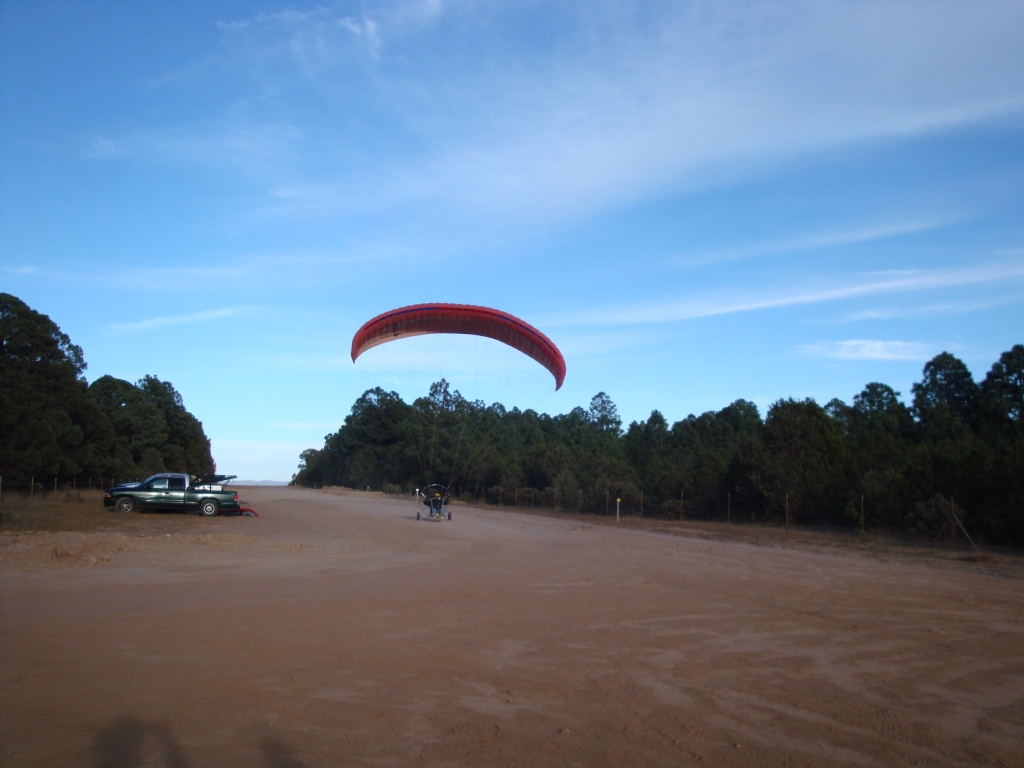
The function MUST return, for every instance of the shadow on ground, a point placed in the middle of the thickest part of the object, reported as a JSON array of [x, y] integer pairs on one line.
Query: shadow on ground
[[129, 743]]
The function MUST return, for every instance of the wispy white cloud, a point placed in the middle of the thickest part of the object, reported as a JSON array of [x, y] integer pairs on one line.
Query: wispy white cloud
[[820, 241], [319, 36], [316, 37], [940, 308], [248, 269], [22, 270], [869, 349], [149, 277], [252, 147], [195, 317], [693, 307], [460, 114], [713, 95]]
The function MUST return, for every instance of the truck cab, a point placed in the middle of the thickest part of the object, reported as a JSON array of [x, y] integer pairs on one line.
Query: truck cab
[[163, 491]]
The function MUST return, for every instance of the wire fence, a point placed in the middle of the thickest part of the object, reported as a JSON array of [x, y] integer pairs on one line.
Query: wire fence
[[995, 528], [948, 529], [47, 485]]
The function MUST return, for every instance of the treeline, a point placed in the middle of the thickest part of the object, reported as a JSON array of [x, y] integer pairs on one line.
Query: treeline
[[53, 423], [902, 465]]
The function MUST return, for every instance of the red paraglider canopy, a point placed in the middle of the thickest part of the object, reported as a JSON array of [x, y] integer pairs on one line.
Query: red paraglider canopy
[[420, 319]]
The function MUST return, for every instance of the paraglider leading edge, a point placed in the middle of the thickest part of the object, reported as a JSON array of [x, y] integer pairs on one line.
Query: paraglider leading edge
[[419, 319]]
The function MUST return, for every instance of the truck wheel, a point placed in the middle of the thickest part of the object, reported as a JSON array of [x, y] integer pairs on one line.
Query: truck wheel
[[209, 508], [125, 504]]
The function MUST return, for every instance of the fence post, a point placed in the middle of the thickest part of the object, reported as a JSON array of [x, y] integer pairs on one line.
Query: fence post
[[952, 518], [55, 486], [607, 501], [787, 511], [682, 511], [728, 508], [641, 504], [32, 488], [862, 514]]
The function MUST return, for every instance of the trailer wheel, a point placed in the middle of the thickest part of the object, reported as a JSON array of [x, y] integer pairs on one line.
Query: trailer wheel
[[209, 508]]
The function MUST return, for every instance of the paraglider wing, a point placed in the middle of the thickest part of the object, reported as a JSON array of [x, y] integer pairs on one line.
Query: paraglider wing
[[420, 319]]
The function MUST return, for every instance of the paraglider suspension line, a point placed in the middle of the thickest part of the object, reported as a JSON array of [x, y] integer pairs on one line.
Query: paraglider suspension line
[[458, 448]]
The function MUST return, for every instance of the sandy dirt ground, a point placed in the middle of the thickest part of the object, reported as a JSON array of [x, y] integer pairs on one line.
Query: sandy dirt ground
[[335, 629]]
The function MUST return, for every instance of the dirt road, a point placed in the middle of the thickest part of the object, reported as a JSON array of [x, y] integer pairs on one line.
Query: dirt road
[[336, 630]]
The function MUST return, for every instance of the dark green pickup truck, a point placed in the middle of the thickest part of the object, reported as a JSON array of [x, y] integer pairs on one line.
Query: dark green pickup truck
[[174, 492]]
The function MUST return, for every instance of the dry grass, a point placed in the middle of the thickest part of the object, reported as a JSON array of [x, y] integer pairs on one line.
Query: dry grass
[[60, 511]]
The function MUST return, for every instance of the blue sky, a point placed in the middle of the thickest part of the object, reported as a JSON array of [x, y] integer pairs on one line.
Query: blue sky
[[697, 201]]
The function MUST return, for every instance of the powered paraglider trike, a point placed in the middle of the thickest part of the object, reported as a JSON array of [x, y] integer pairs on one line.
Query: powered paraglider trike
[[436, 498]]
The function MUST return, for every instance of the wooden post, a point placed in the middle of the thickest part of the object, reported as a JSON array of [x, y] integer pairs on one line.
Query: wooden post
[[515, 492], [682, 511], [55, 485], [641, 504], [728, 508], [607, 502], [862, 514], [499, 495], [579, 507], [787, 511], [32, 488]]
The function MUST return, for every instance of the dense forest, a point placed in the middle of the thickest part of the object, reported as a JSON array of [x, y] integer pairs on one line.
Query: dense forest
[[54, 424], [902, 465]]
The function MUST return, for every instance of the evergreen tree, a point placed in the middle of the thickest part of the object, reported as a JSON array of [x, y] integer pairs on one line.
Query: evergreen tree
[[959, 440], [53, 424], [48, 427]]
